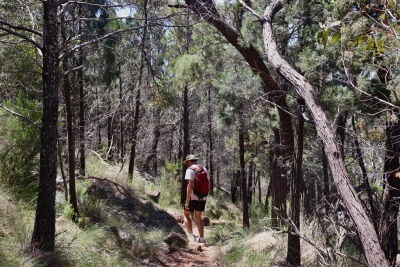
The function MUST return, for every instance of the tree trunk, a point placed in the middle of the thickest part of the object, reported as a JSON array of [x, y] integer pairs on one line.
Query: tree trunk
[[293, 252], [245, 208], [151, 159], [71, 140], [135, 127], [98, 118], [388, 223], [82, 103], [368, 236], [121, 123], [186, 144], [259, 187], [341, 130], [234, 185], [250, 182], [373, 210], [267, 195], [43, 235], [109, 128], [278, 185], [210, 143]]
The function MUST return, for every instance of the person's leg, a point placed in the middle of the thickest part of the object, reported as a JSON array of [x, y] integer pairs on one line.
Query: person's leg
[[188, 222], [199, 222]]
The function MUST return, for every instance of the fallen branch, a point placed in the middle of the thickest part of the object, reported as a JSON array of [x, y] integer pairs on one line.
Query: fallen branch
[[97, 154]]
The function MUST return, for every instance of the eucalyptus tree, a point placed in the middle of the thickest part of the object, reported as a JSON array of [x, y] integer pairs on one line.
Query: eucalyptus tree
[[366, 231]]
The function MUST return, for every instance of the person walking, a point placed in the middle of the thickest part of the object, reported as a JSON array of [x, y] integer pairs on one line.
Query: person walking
[[194, 202]]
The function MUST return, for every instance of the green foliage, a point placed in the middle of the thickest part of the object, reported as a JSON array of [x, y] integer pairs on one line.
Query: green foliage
[[14, 237], [19, 66], [188, 70], [20, 142], [170, 185]]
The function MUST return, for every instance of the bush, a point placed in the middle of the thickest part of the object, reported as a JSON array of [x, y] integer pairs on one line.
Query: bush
[[20, 147], [170, 186]]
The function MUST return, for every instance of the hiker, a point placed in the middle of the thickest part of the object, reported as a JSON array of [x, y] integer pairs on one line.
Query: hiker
[[194, 202]]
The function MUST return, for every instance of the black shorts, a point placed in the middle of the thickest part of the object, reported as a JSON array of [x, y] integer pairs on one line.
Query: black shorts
[[197, 205]]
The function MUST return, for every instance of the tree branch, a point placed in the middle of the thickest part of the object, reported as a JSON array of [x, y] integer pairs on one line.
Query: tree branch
[[251, 10], [21, 28], [22, 36], [21, 116]]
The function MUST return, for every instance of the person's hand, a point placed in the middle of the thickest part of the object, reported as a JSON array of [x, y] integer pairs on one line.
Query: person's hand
[[186, 205]]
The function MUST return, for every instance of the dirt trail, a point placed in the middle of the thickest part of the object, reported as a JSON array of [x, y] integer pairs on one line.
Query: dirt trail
[[191, 257], [195, 255]]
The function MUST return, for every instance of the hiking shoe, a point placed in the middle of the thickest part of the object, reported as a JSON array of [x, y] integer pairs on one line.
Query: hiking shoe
[[201, 240], [192, 239]]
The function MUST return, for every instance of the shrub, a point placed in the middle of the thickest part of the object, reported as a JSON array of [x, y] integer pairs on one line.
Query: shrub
[[20, 142]]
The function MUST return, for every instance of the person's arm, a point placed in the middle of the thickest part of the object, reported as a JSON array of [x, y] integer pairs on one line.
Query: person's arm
[[189, 190]]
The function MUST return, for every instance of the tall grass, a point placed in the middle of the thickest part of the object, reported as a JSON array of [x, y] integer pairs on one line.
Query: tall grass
[[170, 186]]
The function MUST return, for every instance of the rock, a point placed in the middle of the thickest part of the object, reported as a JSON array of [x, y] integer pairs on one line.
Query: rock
[[199, 248], [176, 239], [154, 196], [206, 221]]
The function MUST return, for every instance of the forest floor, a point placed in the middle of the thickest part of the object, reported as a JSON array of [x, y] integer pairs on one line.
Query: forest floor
[[147, 214]]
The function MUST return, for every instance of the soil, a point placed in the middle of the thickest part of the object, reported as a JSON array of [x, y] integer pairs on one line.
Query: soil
[[191, 257], [148, 215]]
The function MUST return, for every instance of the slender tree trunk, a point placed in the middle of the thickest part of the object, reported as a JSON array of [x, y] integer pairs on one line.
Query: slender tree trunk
[[43, 235], [98, 118], [259, 187], [210, 142], [341, 130], [109, 128], [234, 185], [62, 172], [82, 104], [70, 129], [245, 204], [388, 224], [121, 122], [267, 195], [250, 182], [293, 253], [373, 210], [327, 190], [278, 185], [71, 141], [135, 127], [151, 159], [186, 144], [368, 236]]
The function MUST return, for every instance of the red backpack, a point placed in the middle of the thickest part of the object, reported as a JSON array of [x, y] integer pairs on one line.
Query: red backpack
[[201, 182]]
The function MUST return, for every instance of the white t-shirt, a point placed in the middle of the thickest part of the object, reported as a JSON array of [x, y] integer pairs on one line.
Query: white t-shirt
[[189, 175]]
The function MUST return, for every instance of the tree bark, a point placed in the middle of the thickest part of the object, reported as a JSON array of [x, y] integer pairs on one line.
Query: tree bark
[[210, 142], [82, 103], [43, 235], [71, 141], [388, 223], [151, 159], [368, 236], [294, 252], [186, 144], [373, 210], [278, 185], [245, 204], [135, 127]]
